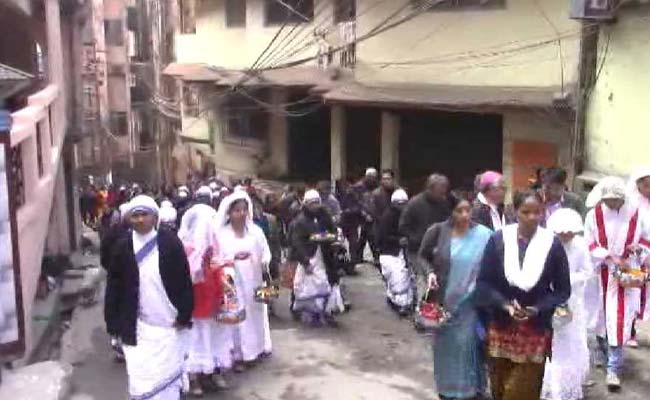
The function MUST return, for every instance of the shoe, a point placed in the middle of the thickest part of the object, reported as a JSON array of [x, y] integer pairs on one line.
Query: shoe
[[589, 383], [219, 382], [632, 343], [239, 368], [613, 382], [195, 388]]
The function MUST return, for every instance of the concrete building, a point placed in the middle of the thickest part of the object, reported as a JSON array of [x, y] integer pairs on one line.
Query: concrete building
[[418, 86], [132, 112], [39, 124], [615, 137]]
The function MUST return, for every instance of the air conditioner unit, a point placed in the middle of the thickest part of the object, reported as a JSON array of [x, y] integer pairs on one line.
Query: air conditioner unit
[[595, 10]]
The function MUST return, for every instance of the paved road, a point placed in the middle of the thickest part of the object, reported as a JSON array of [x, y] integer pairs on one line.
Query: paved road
[[373, 355]]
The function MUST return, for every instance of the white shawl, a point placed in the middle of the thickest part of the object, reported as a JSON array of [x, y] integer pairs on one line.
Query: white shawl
[[198, 232], [525, 277]]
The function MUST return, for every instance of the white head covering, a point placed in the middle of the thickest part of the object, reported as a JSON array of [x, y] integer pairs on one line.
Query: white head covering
[[311, 196], [143, 203], [632, 190], [224, 208], [371, 172], [239, 188], [184, 189], [203, 191], [125, 209], [399, 196], [198, 233], [214, 186], [167, 212], [565, 220], [610, 187]]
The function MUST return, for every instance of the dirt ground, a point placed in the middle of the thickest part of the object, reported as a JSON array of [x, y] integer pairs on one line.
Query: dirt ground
[[372, 355]]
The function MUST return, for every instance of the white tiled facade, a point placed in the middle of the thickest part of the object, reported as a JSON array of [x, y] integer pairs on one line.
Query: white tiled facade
[[8, 315]]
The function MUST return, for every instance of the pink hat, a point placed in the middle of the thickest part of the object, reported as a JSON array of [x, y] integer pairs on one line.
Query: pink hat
[[489, 178]]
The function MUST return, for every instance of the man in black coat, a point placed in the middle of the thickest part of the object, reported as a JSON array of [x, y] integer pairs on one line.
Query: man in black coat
[[427, 208]]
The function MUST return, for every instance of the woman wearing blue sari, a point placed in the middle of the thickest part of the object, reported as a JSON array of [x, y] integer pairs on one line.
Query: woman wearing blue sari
[[452, 251]]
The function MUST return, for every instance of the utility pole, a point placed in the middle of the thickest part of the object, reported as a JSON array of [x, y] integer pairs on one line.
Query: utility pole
[[589, 33]]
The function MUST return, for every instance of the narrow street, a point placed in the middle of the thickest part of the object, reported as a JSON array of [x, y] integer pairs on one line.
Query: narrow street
[[373, 355]]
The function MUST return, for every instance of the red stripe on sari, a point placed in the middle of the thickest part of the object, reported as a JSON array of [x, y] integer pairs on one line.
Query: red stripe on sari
[[604, 279], [600, 224], [620, 315]]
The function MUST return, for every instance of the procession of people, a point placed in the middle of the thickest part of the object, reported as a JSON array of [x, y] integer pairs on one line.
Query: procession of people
[[514, 298]]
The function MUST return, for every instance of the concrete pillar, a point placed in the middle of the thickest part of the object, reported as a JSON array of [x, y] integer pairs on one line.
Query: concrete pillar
[[390, 127], [338, 143], [279, 136]]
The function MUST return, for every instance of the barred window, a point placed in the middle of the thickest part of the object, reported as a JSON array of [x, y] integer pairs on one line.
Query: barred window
[[294, 11], [245, 122]]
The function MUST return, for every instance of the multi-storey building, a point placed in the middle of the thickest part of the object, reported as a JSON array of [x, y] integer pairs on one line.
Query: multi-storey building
[[327, 87], [132, 111], [40, 122]]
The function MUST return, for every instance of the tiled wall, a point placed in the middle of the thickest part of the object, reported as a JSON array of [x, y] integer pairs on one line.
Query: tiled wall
[[8, 315]]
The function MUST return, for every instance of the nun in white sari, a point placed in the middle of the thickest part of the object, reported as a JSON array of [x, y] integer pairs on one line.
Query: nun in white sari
[[567, 370], [152, 295], [243, 243]]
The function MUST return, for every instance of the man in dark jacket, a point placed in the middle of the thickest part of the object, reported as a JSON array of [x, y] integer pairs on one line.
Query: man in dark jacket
[[364, 190], [382, 195], [151, 301], [555, 194], [427, 208], [488, 209]]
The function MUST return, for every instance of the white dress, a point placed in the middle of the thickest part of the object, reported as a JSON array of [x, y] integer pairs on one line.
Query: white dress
[[154, 365], [619, 306], [252, 337], [569, 366]]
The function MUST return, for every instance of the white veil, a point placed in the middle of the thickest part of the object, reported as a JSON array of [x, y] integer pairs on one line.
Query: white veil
[[222, 214], [222, 221], [198, 233]]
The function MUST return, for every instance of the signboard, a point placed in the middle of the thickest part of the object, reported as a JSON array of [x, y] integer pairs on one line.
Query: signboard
[[12, 324]]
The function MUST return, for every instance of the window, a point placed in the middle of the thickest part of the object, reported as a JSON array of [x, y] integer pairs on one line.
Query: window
[[244, 121], [294, 11], [446, 5], [191, 100], [132, 18], [345, 10], [119, 123], [113, 32], [235, 13], [188, 16]]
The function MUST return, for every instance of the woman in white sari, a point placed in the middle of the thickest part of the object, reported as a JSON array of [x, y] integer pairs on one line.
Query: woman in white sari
[[567, 371], [243, 244], [206, 345]]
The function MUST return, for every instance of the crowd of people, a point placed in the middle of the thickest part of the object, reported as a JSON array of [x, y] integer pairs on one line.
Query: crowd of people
[[523, 289]]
